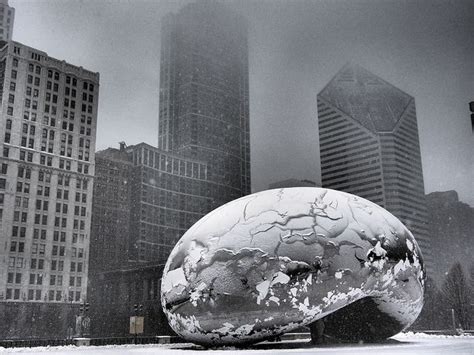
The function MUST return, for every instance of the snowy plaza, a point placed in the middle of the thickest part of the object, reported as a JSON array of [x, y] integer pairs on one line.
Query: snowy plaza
[[403, 343]]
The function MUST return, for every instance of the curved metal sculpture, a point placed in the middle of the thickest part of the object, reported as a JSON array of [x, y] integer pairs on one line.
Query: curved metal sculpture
[[276, 260]]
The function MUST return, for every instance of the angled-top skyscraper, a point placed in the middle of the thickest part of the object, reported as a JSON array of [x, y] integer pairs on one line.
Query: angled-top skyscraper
[[204, 94], [369, 146]]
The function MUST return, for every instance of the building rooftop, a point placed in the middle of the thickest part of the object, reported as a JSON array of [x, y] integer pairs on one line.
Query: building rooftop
[[370, 100]]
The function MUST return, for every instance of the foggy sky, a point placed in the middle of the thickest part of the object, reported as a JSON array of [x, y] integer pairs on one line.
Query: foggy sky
[[425, 48]]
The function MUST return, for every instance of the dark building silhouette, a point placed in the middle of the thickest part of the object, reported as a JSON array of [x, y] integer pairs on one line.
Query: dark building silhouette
[[204, 94], [369, 146], [144, 202], [110, 237], [451, 229], [292, 183], [129, 291]]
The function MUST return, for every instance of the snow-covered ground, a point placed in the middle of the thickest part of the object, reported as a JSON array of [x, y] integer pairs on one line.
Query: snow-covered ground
[[404, 343]]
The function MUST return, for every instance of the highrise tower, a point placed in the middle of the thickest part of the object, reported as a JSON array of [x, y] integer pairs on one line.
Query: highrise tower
[[7, 18], [369, 146], [204, 103], [48, 118]]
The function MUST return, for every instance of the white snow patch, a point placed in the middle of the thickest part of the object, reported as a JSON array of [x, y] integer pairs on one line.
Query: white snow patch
[[378, 250], [226, 328], [197, 293], [195, 252], [244, 329], [174, 278], [275, 299], [280, 278], [262, 289], [293, 291]]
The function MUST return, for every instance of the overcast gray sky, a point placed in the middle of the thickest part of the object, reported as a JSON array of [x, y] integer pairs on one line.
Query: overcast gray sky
[[425, 48]]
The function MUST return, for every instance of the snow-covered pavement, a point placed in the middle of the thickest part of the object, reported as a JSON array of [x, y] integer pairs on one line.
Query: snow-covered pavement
[[401, 344]]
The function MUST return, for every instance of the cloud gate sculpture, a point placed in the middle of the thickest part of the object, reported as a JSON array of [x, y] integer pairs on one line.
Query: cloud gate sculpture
[[270, 262]]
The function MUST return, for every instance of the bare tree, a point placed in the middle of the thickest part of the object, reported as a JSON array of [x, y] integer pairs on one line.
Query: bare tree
[[457, 293]]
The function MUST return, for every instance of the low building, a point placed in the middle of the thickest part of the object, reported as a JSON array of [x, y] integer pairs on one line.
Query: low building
[[451, 226], [124, 293]]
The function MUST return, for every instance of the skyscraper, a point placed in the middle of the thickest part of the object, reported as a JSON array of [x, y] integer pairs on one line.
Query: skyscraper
[[7, 18], [204, 94], [48, 118], [369, 146]]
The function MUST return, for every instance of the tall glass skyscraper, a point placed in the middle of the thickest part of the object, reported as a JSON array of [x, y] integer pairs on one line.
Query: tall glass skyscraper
[[204, 94], [369, 146]]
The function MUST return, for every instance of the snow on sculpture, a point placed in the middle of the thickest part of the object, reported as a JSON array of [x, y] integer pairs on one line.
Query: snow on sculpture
[[273, 261]]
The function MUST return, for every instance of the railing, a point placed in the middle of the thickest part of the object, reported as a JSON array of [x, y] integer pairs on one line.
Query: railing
[[92, 341], [35, 342], [165, 339]]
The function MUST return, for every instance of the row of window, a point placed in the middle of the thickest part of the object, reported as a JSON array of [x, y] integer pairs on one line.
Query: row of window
[[37, 279], [49, 98], [48, 160], [70, 80], [20, 232], [35, 295], [56, 264], [31, 129]]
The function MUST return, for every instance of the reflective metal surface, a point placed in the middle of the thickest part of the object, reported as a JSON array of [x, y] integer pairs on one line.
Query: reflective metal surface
[[273, 261]]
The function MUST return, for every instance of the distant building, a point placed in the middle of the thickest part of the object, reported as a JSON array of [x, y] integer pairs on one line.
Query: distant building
[[111, 210], [451, 226], [7, 18], [204, 94], [292, 183], [369, 146], [47, 135], [145, 199]]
